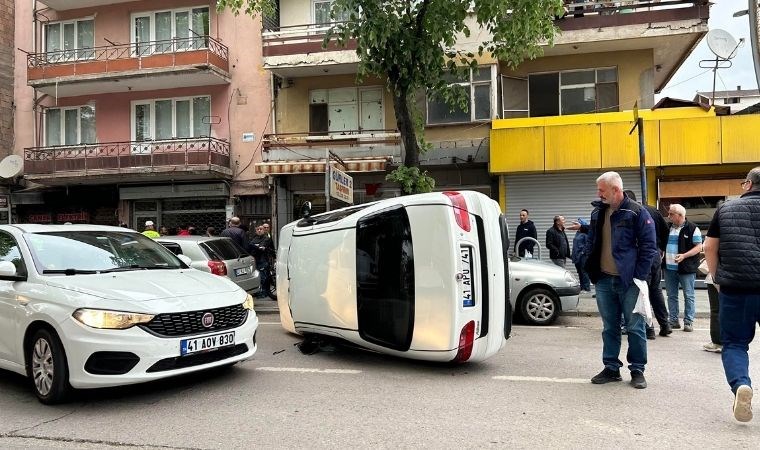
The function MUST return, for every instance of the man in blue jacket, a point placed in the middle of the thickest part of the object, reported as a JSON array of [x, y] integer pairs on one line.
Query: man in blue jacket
[[622, 244]]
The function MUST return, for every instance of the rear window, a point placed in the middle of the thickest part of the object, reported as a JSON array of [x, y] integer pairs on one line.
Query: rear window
[[223, 249], [172, 247], [385, 279]]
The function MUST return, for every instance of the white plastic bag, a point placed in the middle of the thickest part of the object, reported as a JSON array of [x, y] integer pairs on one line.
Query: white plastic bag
[[643, 306]]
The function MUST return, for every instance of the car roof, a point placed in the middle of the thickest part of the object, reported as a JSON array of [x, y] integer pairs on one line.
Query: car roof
[[37, 228], [190, 238]]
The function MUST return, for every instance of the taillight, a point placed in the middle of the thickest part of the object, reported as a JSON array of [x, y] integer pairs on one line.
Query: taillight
[[217, 268], [461, 214], [466, 339]]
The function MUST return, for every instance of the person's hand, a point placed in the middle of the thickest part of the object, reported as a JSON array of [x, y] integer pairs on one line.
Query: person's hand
[[575, 226], [679, 258]]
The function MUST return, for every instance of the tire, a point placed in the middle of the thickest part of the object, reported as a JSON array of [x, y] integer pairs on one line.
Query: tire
[[539, 306], [272, 286], [47, 367]]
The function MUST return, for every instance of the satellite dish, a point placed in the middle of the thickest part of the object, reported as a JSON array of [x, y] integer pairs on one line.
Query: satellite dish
[[721, 43], [11, 166]]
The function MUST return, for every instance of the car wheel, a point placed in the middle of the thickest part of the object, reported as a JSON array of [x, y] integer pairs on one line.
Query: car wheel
[[47, 367], [539, 306]]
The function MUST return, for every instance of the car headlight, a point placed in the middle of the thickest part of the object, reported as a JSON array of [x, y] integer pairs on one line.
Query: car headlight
[[570, 278], [248, 303], [114, 320]]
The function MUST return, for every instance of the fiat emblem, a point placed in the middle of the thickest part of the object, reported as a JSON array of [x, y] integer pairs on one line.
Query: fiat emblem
[[207, 320]]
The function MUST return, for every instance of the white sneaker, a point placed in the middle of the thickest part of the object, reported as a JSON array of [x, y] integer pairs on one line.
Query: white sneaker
[[743, 404], [711, 347]]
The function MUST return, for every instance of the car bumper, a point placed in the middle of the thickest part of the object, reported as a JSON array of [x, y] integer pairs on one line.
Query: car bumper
[[153, 352], [569, 297]]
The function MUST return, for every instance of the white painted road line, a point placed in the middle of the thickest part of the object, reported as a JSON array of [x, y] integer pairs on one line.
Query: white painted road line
[[308, 370], [543, 379]]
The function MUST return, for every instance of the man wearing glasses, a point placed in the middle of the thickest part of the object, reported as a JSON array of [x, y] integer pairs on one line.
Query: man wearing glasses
[[681, 264], [732, 250]]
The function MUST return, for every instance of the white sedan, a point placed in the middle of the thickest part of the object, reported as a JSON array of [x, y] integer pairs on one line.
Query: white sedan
[[85, 306]]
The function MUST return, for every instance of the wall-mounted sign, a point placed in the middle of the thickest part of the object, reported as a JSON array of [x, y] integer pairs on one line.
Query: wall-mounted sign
[[249, 137], [341, 186], [3, 201]]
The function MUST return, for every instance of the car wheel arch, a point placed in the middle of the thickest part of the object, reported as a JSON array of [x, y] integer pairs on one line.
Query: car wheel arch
[[29, 333]]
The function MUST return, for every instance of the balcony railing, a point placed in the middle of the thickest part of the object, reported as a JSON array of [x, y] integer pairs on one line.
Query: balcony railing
[[581, 14], [127, 157], [181, 51], [296, 39], [348, 144]]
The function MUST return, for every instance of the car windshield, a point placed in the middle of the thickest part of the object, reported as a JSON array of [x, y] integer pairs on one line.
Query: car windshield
[[74, 252]]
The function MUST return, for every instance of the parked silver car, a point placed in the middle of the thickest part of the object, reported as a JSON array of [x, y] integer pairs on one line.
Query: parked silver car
[[218, 255], [541, 290]]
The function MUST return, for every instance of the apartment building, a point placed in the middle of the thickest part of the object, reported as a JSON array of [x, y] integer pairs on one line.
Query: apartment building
[[7, 109], [130, 111], [567, 117], [736, 100]]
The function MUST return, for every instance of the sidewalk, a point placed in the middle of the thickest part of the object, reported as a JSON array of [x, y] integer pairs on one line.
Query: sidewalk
[[587, 305]]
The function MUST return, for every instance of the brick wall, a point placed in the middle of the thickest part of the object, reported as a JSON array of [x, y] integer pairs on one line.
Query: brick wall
[[7, 47]]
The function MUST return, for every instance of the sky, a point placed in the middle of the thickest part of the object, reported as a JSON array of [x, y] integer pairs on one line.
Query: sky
[[690, 78]]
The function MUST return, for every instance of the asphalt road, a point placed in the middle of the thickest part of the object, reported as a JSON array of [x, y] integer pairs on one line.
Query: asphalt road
[[534, 394]]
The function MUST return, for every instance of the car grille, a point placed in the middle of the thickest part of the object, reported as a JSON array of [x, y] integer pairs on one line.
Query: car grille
[[189, 322]]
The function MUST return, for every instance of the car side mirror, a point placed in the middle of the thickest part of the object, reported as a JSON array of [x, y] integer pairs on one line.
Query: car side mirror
[[185, 259], [306, 209], [7, 269]]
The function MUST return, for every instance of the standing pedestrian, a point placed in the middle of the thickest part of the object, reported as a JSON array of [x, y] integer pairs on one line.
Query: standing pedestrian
[[526, 228], [580, 255], [715, 345], [616, 259], [681, 263], [262, 248], [557, 243], [731, 251], [236, 233], [150, 230], [659, 310]]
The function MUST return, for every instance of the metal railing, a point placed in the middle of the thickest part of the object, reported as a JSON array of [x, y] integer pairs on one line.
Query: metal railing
[[581, 8], [182, 152], [347, 138], [126, 51]]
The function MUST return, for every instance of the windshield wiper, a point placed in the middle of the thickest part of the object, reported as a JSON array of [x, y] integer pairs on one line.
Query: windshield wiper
[[69, 272], [135, 267]]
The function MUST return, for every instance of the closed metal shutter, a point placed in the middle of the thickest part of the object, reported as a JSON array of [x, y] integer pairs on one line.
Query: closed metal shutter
[[547, 195]]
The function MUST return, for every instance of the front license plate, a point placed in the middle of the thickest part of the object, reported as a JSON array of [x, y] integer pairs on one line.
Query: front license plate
[[465, 284], [206, 343], [241, 271]]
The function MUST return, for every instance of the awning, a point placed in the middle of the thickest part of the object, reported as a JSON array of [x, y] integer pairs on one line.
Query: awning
[[294, 167]]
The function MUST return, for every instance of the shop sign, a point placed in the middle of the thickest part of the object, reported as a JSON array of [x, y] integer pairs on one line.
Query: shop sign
[[82, 216], [40, 218], [341, 186], [3, 201]]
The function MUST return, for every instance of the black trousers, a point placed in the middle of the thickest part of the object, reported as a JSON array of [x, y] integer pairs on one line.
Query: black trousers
[[714, 297], [656, 299]]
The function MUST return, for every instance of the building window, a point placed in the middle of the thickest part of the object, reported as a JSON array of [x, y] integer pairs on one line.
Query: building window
[[346, 110], [171, 118], [479, 92], [321, 13], [731, 101], [573, 92], [69, 41], [170, 31], [70, 126]]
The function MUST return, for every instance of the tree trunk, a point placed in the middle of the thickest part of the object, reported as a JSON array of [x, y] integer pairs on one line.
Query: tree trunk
[[405, 126]]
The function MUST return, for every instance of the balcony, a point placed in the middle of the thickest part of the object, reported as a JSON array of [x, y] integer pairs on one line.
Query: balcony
[[363, 151], [297, 51], [62, 5], [179, 62], [113, 162]]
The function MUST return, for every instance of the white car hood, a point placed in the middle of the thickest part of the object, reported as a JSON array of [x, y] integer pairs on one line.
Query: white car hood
[[145, 285]]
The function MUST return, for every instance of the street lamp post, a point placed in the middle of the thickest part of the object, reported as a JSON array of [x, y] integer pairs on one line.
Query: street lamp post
[[753, 11]]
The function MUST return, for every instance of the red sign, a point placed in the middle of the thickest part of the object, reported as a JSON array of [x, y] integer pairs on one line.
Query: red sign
[[39, 218], [82, 216]]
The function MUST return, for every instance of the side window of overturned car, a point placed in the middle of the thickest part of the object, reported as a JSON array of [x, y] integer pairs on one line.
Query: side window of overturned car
[[9, 251]]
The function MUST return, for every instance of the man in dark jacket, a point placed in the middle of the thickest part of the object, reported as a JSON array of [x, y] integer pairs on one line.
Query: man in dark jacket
[[681, 264], [731, 251], [236, 233], [623, 244], [656, 298], [262, 248], [525, 229], [556, 242], [580, 255]]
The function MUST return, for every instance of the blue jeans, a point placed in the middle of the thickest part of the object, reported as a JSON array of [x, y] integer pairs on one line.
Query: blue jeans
[[739, 314], [686, 280], [583, 278], [613, 301]]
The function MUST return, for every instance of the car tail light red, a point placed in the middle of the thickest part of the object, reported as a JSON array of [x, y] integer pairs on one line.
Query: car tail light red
[[466, 339], [461, 214], [217, 268]]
